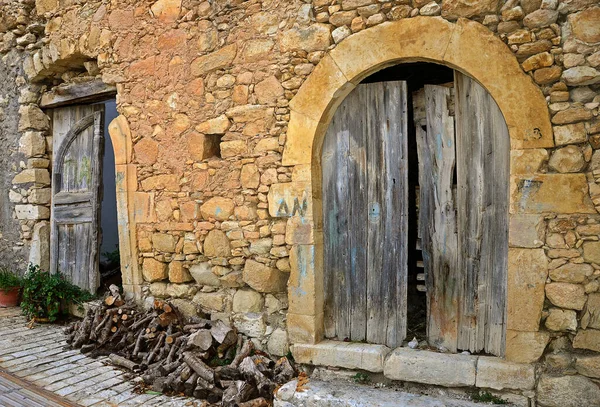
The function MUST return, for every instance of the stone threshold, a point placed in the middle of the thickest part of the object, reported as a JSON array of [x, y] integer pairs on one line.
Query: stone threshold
[[419, 366]]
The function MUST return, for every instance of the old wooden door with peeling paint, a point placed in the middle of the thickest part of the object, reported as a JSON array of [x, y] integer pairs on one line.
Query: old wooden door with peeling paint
[[76, 179], [365, 207]]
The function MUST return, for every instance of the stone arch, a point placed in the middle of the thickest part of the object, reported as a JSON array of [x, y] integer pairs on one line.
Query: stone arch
[[466, 46]]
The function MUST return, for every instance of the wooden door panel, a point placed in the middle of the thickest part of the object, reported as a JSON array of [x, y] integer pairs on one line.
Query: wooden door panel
[[365, 216], [483, 146], [78, 142]]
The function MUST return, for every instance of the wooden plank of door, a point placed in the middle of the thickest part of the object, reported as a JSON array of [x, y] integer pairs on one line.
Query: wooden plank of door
[[387, 193], [335, 226], [482, 171], [439, 244]]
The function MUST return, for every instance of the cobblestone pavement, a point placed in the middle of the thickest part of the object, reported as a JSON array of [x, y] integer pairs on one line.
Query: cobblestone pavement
[[36, 357]]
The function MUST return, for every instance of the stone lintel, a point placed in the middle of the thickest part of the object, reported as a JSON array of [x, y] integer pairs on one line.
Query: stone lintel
[[498, 374]]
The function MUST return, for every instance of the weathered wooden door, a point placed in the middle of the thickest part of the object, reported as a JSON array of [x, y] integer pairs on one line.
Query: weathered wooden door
[[76, 178], [464, 223], [365, 208]]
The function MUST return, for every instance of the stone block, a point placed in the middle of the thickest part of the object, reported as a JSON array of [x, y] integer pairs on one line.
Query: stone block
[[179, 274], [561, 320], [212, 302], [120, 137], [304, 328], [585, 25], [567, 159], [525, 347], [453, 9], [590, 317], [342, 354], [304, 294], [268, 90], [263, 278], [495, 373], [591, 252], [587, 339], [32, 117], [567, 391], [32, 212], [37, 176], [146, 151], [39, 253], [219, 59], [167, 11], [290, 199], [527, 161], [218, 125], [203, 275], [572, 273], [180, 290], [250, 324], [247, 301], [316, 37], [217, 208], [566, 295], [249, 176], [588, 365], [217, 244], [440, 369], [144, 208], [164, 182], [186, 307], [154, 270], [32, 144], [278, 343], [299, 231], [40, 196], [527, 231], [527, 273], [164, 242], [581, 76], [538, 194]]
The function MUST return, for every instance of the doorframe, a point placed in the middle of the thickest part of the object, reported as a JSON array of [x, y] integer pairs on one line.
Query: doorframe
[[125, 171], [466, 46]]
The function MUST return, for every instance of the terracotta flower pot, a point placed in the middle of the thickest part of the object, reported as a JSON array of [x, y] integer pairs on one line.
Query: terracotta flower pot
[[9, 297]]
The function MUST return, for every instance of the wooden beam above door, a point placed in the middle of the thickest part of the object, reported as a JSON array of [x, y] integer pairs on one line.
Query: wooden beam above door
[[84, 92]]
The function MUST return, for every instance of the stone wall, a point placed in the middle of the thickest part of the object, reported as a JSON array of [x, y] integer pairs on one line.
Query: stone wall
[[214, 214]]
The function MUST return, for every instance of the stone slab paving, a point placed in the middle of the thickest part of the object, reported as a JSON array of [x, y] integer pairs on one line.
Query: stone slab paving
[[36, 370]]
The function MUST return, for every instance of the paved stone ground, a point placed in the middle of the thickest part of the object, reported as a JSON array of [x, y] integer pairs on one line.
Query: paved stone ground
[[37, 357]]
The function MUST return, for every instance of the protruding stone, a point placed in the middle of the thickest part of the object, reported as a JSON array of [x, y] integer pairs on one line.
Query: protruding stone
[[250, 324], [32, 117], [178, 274], [263, 278], [566, 295], [35, 175], [247, 301], [154, 270], [581, 75], [146, 151], [249, 176], [32, 144], [218, 125], [591, 252], [217, 244], [561, 320], [567, 159], [590, 317], [218, 208], [32, 212], [215, 302], [268, 90]]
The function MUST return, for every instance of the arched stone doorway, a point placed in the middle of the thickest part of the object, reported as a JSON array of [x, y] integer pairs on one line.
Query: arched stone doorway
[[465, 46]]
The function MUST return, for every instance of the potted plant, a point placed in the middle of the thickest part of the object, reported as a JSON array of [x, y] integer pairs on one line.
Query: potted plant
[[10, 288]]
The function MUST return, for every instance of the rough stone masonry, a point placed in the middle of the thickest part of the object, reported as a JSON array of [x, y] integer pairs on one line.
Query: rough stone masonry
[[204, 91]]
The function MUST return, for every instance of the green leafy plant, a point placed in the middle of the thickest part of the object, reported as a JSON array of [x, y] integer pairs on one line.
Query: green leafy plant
[[487, 397], [9, 280], [46, 295], [361, 378], [113, 257]]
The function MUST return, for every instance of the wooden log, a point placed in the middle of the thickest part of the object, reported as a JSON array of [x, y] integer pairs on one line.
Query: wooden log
[[283, 371], [236, 392], [138, 343], [171, 337], [259, 402], [156, 348], [227, 373], [254, 375], [190, 384], [199, 367], [242, 354], [223, 333], [123, 362], [199, 325]]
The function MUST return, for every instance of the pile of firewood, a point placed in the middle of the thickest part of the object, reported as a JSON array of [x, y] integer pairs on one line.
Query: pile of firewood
[[196, 357]]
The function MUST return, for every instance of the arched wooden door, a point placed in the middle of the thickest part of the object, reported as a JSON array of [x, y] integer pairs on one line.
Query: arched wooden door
[[78, 141]]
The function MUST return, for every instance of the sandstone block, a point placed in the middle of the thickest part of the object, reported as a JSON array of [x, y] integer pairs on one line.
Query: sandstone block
[[439, 369], [180, 290], [540, 18], [304, 328], [32, 212], [572, 115], [527, 161], [217, 244], [591, 252], [178, 274], [543, 60], [544, 76], [154, 270], [218, 208], [580, 76], [159, 289], [566, 295], [263, 278], [527, 231], [538, 194], [249, 176], [261, 246], [453, 9], [234, 148], [36, 175], [590, 317], [39, 253], [164, 242], [585, 25], [587, 339], [316, 37], [567, 159], [219, 59], [588, 365], [572, 273], [495, 373], [525, 347], [186, 307], [299, 231], [268, 90], [161, 182], [146, 151], [203, 275], [247, 301], [570, 134], [290, 199], [567, 391], [527, 273], [342, 354], [218, 125], [32, 144], [561, 320], [32, 117]]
